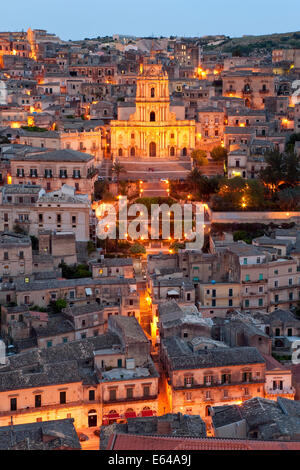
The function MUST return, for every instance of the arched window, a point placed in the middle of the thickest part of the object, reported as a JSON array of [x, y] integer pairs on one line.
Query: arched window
[[146, 408], [172, 151], [152, 92], [184, 152], [120, 153], [152, 149], [132, 152], [152, 116], [247, 88]]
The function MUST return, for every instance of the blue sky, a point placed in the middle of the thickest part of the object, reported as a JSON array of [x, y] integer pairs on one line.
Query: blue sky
[[77, 19]]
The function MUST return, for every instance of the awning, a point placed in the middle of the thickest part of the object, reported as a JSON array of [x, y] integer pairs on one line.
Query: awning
[[88, 291], [112, 416], [131, 414], [147, 413], [173, 292]]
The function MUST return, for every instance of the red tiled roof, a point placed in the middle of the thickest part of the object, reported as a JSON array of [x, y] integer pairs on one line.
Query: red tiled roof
[[134, 442]]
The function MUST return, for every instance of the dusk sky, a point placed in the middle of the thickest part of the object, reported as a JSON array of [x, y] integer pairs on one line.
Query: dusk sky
[[77, 19]]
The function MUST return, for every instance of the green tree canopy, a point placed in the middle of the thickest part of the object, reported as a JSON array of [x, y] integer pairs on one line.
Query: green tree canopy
[[219, 154]]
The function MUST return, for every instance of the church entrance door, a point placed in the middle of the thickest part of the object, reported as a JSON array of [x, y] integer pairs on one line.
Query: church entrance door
[[152, 149]]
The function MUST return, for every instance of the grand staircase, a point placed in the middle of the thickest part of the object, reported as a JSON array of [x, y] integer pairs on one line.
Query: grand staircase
[[155, 169]]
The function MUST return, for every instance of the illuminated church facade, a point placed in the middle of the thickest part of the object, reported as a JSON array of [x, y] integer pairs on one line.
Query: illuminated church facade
[[153, 127]]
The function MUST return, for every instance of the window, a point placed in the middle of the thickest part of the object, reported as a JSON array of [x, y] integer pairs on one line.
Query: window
[[65, 339], [247, 277], [13, 404], [247, 376], [290, 332], [290, 282], [258, 260], [146, 391], [152, 116], [91, 395], [188, 381], [38, 401], [260, 302], [152, 92], [230, 303], [129, 392], [226, 378], [73, 219], [113, 394], [245, 260], [49, 344], [247, 303], [230, 292], [62, 397], [260, 277], [208, 379]]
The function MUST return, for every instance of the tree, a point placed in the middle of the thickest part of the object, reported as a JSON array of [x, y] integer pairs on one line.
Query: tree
[[194, 178], [199, 156], [291, 169], [290, 145], [100, 188], [289, 198], [272, 175], [117, 169], [137, 249], [58, 305], [219, 154]]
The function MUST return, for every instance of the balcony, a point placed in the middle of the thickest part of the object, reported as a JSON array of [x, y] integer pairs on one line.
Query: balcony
[[18, 221], [50, 406], [262, 91], [247, 92], [230, 91], [130, 400], [284, 391], [218, 384]]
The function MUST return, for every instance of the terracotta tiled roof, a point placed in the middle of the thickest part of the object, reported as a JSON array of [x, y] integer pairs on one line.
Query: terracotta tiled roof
[[134, 442]]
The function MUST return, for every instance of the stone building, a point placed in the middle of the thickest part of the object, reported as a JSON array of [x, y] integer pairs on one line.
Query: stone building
[[254, 87], [15, 255], [200, 378], [151, 127], [54, 168]]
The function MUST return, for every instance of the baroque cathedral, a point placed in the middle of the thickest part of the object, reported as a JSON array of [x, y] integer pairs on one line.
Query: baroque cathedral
[[153, 127]]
